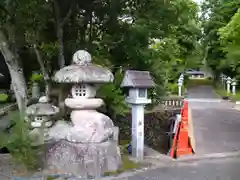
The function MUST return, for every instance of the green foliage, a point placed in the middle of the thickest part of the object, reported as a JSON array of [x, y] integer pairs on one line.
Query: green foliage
[[230, 41], [3, 97], [221, 34], [36, 77], [219, 89], [19, 143], [98, 26], [186, 79], [199, 82], [49, 49], [173, 88], [50, 178], [113, 97]]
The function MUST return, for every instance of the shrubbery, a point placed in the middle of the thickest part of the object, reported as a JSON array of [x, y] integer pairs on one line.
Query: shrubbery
[[18, 142], [113, 97]]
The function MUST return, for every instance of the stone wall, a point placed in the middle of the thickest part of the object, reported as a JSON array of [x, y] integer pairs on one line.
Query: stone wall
[[156, 126]]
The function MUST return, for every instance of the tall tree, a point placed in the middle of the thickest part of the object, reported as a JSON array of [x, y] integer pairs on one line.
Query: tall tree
[[216, 14], [9, 48], [230, 41]]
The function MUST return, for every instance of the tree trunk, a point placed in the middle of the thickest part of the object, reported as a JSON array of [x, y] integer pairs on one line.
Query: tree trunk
[[61, 59], [16, 73], [60, 22], [45, 73]]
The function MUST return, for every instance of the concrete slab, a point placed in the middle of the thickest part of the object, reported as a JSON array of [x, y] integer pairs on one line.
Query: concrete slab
[[202, 92], [215, 124], [218, 169]]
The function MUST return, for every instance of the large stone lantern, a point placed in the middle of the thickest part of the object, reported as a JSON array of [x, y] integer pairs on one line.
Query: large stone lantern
[[85, 79], [87, 146]]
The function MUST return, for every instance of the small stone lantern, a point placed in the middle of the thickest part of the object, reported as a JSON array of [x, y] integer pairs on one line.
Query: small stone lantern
[[35, 90], [222, 78], [182, 76], [40, 117], [137, 82], [228, 84], [234, 83], [180, 83]]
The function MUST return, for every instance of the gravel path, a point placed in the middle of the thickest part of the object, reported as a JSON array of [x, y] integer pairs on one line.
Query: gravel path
[[8, 168]]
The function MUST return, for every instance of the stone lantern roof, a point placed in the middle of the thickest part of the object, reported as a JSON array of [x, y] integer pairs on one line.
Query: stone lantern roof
[[42, 108], [82, 70]]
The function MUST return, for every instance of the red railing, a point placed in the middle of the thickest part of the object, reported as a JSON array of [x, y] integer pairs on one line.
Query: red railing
[[181, 142]]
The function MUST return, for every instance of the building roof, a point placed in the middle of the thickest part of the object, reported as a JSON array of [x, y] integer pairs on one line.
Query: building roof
[[137, 79], [194, 72]]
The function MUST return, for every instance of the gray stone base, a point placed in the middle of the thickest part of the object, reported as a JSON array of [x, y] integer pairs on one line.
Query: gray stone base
[[85, 160]]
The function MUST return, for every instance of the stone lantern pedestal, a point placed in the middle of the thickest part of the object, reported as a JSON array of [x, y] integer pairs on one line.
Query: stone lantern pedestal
[[87, 146]]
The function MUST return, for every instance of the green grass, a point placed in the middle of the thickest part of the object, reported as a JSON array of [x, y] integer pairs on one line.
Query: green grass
[[223, 93], [236, 97], [218, 88], [198, 82], [127, 165], [3, 97]]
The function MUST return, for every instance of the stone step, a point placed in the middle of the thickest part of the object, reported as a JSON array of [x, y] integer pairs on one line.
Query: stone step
[[204, 100]]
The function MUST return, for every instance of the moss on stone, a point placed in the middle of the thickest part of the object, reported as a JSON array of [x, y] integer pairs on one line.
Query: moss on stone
[[127, 165]]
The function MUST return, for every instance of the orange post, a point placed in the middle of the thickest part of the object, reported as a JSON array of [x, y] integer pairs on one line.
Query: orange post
[[183, 145]]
